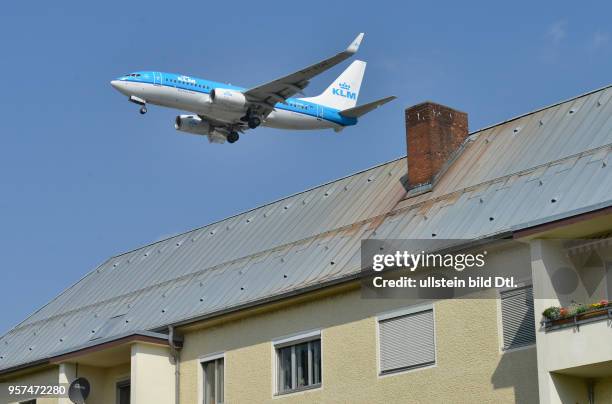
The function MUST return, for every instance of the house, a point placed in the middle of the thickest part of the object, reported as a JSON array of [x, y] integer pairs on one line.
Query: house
[[266, 306]]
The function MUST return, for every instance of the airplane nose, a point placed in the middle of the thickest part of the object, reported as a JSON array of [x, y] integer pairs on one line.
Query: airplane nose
[[120, 86]]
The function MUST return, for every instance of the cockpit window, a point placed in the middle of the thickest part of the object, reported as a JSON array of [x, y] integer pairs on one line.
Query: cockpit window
[[134, 74]]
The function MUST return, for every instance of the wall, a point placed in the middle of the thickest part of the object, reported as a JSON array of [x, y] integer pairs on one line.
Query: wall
[[152, 375], [603, 391], [568, 389], [470, 366], [44, 377], [104, 381], [113, 375], [574, 390]]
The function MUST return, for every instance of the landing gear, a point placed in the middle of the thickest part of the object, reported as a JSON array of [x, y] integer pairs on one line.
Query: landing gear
[[233, 137], [139, 101], [254, 122], [251, 119]]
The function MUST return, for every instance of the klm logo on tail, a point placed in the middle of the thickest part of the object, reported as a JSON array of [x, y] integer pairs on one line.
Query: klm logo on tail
[[343, 91]]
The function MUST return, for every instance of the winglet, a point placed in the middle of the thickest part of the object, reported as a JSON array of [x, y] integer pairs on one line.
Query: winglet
[[352, 48]]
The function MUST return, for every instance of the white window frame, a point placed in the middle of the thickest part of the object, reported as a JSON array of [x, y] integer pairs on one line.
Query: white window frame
[[291, 340], [400, 313], [500, 322], [201, 361]]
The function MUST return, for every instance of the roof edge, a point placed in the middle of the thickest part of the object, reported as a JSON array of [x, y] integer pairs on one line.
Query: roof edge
[[137, 336], [535, 111]]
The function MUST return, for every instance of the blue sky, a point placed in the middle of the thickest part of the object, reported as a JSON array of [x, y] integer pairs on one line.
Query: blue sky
[[83, 176]]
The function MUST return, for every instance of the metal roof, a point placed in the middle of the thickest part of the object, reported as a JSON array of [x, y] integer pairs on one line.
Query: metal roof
[[545, 165]]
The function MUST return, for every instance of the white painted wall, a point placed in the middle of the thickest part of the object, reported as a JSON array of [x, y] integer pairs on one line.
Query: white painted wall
[[67, 373], [152, 375]]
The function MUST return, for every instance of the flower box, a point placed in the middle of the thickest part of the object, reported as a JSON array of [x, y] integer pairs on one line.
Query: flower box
[[580, 318]]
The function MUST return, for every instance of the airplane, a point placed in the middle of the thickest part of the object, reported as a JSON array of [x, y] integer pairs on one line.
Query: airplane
[[223, 111]]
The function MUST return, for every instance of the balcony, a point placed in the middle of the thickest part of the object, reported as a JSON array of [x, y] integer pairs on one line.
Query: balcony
[[573, 349]]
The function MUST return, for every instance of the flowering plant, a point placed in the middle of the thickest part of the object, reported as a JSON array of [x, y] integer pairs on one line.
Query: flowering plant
[[556, 313], [599, 305]]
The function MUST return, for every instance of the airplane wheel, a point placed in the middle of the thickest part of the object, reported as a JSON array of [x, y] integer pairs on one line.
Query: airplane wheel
[[233, 137], [254, 122], [143, 110]]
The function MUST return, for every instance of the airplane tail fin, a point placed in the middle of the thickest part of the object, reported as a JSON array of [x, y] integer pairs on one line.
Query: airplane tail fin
[[343, 92]]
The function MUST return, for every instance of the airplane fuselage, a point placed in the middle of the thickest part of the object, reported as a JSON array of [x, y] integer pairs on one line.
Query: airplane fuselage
[[194, 95]]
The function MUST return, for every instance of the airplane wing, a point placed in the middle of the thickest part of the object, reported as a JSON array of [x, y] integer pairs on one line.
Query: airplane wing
[[223, 127], [266, 95]]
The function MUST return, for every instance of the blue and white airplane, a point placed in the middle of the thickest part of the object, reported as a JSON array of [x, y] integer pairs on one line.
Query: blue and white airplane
[[222, 111]]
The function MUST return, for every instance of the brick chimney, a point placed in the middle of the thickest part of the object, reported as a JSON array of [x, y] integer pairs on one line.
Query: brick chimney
[[433, 133]]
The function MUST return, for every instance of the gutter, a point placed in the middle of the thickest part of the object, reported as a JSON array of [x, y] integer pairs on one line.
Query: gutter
[[24, 366], [538, 226], [139, 336]]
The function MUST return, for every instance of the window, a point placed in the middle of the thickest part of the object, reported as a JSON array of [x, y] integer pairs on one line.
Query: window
[[298, 363], [123, 392], [407, 339], [28, 402], [213, 380], [518, 323]]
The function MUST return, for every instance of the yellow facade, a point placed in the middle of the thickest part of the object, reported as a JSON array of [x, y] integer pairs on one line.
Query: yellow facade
[[603, 391], [44, 377], [102, 379], [470, 367], [104, 382]]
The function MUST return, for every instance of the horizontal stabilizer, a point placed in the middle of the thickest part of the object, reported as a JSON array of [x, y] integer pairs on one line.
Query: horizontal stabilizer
[[356, 112]]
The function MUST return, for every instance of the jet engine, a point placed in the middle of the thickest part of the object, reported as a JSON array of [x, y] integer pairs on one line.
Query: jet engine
[[192, 124], [230, 99]]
